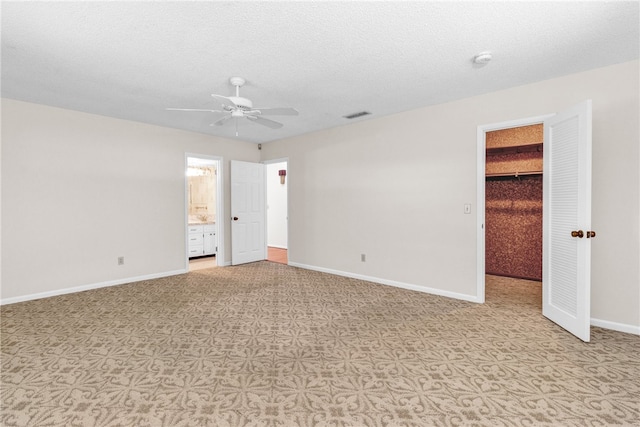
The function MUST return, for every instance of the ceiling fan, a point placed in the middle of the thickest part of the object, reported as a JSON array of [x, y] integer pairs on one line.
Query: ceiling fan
[[236, 107]]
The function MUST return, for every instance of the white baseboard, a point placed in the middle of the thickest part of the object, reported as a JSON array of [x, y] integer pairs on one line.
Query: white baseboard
[[89, 287], [620, 327], [409, 286]]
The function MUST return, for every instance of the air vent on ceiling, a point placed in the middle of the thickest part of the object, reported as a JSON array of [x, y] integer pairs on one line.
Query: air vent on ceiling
[[356, 115]]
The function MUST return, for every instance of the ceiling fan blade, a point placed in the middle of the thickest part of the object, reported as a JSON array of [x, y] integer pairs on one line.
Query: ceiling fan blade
[[223, 100], [221, 121], [265, 122], [194, 109], [278, 111]]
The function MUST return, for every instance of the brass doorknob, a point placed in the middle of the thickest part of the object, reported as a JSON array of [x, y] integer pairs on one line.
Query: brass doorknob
[[591, 234], [578, 233]]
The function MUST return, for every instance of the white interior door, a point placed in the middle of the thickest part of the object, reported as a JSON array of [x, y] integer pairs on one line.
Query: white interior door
[[247, 212], [566, 270]]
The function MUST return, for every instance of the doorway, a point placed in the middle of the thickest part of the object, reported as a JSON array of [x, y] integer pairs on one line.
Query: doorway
[[502, 169], [203, 202], [513, 215], [566, 262], [277, 210], [513, 202]]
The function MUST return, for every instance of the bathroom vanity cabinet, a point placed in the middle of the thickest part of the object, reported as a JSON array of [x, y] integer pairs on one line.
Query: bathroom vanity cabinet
[[202, 240]]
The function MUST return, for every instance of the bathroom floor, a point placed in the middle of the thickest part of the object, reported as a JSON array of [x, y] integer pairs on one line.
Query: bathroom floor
[[277, 255], [202, 263], [274, 254]]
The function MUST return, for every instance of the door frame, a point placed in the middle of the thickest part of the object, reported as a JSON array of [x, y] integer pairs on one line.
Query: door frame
[[288, 178], [480, 192], [219, 206]]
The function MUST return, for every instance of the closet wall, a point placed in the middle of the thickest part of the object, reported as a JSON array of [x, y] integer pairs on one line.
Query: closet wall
[[513, 194]]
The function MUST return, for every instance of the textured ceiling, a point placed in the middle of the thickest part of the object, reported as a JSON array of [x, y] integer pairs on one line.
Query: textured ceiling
[[131, 60]]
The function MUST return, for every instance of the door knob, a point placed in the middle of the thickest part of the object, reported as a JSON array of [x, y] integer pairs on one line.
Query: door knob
[[235, 218], [578, 233], [591, 234]]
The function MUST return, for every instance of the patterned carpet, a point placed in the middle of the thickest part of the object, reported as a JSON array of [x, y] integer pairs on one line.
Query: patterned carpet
[[271, 345]]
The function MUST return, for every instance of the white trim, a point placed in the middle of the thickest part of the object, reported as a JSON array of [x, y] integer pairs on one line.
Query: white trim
[[90, 287], [279, 160], [480, 214], [219, 161], [220, 215], [620, 327], [480, 190], [393, 283], [266, 237]]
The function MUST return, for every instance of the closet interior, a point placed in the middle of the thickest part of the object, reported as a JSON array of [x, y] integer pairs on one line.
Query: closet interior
[[513, 197]]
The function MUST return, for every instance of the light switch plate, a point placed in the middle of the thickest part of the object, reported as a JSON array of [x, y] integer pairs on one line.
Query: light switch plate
[[467, 208]]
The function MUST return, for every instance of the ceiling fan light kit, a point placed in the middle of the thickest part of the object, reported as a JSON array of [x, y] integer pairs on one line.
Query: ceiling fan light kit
[[237, 107]]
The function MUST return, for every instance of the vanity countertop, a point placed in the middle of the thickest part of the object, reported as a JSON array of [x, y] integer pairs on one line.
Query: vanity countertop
[[201, 223]]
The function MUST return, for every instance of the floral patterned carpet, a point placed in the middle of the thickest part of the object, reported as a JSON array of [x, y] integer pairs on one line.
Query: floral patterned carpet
[[266, 344]]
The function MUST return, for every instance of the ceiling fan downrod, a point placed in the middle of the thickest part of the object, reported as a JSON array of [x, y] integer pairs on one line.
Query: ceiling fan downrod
[[237, 82]]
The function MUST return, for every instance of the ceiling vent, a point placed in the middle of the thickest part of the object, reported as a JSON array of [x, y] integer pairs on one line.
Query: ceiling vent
[[356, 115]]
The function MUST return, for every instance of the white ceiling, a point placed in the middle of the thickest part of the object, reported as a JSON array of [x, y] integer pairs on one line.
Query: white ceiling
[[131, 60]]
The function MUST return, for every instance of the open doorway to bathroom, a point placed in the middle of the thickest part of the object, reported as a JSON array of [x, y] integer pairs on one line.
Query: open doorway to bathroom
[[277, 182], [202, 204]]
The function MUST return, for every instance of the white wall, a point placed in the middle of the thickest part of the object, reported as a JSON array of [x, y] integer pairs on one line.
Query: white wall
[[394, 188], [79, 190], [276, 206]]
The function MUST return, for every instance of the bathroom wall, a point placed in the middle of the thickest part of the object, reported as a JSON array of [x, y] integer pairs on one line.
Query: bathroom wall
[[202, 194]]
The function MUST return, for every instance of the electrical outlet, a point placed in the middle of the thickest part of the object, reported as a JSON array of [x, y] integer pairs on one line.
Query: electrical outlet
[[363, 257], [120, 260]]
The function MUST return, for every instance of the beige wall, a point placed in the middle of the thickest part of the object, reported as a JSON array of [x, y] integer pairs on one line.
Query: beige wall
[[394, 188], [80, 190]]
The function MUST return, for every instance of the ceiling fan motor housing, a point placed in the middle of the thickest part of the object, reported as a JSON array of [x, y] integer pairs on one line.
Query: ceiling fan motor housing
[[242, 103], [237, 107]]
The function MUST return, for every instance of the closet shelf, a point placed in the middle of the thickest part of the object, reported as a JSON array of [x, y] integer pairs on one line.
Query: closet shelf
[[513, 174], [525, 148]]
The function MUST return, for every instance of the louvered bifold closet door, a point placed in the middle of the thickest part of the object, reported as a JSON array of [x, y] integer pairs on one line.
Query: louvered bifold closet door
[[567, 209]]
